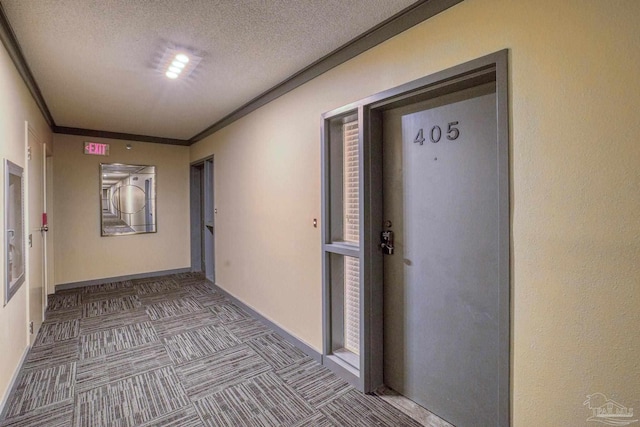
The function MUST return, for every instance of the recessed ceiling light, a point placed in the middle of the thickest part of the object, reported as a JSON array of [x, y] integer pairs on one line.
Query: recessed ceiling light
[[178, 63]]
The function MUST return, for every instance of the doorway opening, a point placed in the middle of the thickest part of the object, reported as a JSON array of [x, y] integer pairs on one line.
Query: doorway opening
[[36, 230], [202, 218], [432, 252]]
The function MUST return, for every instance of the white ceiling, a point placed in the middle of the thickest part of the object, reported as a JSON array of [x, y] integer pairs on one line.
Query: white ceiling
[[95, 60]]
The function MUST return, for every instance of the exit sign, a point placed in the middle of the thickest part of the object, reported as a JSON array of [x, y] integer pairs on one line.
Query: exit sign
[[96, 148]]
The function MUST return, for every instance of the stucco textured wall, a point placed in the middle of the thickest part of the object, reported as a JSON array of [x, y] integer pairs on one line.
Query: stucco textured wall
[[575, 157]]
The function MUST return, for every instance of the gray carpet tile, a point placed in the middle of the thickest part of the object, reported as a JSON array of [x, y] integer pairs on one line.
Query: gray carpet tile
[[211, 299], [53, 354], [59, 331], [173, 308], [248, 329], [188, 275], [42, 387], [168, 326], [62, 315], [260, 401], [111, 305], [228, 313], [315, 383], [101, 370], [152, 279], [360, 410], [199, 283], [116, 339], [220, 370], [158, 297], [54, 415], [114, 320], [276, 351], [156, 286], [197, 343], [107, 287], [131, 401], [62, 301], [315, 420], [174, 351], [105, 295], [183, 417], [202, 290]]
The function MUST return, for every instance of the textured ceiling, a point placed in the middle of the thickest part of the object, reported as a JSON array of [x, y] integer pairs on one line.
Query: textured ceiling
[[95, 61]]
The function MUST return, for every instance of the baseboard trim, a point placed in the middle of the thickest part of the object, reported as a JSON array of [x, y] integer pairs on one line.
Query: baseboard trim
[[13, 382], [306, 348], [82, 284]]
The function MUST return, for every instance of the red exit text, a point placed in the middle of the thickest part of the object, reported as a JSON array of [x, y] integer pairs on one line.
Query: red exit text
[[96, 149]]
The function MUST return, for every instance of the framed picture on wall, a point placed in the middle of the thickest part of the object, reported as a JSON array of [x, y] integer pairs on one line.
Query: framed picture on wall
[[128, 199], [14, 248]]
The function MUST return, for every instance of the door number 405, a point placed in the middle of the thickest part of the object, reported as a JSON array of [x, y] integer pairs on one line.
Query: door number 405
[[435, 134]]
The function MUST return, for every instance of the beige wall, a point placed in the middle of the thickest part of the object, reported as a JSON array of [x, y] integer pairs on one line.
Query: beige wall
[[16, 107], [80, 253], [575, 159]]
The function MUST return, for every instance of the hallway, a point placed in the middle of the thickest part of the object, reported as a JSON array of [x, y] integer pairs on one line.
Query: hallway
[[173, 351], [111, 224], [298, 199]]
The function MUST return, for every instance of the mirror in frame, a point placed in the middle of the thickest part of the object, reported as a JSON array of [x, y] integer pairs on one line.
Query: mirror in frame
[[128, 199]]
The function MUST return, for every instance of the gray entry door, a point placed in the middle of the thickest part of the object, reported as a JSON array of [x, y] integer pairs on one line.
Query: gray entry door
[[441, 286]]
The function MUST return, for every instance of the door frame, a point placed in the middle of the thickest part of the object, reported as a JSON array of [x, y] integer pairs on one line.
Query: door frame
[[202, 216], [33, 138], [489, 68]]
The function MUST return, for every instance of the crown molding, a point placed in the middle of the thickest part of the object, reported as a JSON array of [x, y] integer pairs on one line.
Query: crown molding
[[10, 42], [402, 21], [118, 135]]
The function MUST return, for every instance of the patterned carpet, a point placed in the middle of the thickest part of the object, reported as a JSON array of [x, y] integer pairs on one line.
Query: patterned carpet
[[172, 351]]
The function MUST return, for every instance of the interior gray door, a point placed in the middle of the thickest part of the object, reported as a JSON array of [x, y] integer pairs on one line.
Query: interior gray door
[[441, 286]]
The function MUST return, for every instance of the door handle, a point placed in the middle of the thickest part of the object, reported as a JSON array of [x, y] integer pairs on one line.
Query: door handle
[[45, 223], [386, 242]]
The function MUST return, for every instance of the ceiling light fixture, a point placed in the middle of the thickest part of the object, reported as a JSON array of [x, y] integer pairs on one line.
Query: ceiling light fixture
[[178, 63]]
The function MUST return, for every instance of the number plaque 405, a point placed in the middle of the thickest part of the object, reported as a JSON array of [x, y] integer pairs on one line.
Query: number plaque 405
[[435, 134]]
